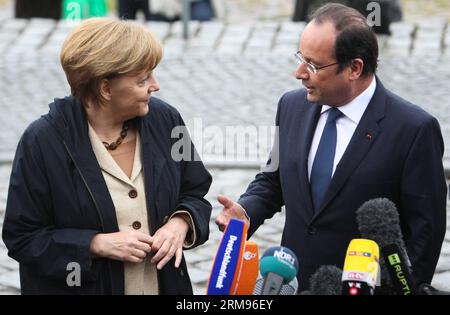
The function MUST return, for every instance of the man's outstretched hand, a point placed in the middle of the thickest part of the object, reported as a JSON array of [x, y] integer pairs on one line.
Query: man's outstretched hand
[[230, 210]]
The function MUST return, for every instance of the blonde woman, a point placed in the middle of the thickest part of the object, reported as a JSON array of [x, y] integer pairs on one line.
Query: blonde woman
[[96, 203]]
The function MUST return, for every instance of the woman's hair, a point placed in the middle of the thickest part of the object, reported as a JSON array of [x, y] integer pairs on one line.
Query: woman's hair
[[102, 48], [355, 38]]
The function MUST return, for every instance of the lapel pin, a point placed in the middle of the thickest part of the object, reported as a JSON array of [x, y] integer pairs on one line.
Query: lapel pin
[[368, 136]]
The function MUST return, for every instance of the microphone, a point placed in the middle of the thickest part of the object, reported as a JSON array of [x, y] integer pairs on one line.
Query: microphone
[[249, 270], [278, 266], [286, 289], [360, 268], [327, 280], [378, 220], [228, 260]]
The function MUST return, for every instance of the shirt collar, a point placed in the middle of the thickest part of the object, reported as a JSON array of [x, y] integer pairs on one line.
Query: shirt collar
[[107, 163], [355, 109]]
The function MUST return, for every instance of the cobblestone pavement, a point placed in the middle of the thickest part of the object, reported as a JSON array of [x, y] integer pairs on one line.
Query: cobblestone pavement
[[224, 76], [233, 73]]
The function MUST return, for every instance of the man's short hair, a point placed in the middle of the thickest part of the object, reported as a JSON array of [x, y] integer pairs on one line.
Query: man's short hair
[[102, 48], [355, 38]]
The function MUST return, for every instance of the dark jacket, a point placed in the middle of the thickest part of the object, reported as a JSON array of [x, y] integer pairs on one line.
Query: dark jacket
[[58, 200], [396, 152]]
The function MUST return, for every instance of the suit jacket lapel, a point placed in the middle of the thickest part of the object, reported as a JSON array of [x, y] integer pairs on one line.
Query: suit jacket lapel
[[308, 122], [365, 135]]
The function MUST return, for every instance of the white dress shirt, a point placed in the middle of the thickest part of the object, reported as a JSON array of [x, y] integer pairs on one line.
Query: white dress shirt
[[345, 125]]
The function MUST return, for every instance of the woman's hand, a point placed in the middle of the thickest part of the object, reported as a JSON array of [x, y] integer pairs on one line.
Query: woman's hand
[[130, 246], [168, 241]]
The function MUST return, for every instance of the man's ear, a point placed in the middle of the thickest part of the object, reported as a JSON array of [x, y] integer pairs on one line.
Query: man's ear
[[356, 68], [105, 89]]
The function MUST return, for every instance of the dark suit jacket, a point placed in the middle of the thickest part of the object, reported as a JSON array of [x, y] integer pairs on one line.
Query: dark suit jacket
[[58, 200], [402, 161]]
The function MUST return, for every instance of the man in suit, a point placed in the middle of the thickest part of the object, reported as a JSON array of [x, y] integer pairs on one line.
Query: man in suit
[[345, 139]]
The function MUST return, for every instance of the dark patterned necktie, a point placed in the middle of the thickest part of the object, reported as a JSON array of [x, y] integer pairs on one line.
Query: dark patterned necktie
[[323, 162]]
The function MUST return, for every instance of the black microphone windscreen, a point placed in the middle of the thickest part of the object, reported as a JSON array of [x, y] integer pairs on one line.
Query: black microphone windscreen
[[378, 220], [327, 280]]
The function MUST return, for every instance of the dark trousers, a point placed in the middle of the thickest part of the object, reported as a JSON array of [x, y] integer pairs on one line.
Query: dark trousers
[[303, 8], [202, 10], [129, 8], [26, 9], [386, 9]]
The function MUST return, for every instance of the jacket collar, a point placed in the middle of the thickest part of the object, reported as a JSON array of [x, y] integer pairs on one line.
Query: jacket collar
[[107, 162], [68, 117]]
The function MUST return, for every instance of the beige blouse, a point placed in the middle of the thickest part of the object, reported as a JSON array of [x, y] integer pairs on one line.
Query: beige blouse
[[128, 196]]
